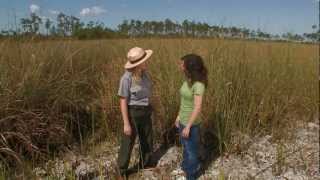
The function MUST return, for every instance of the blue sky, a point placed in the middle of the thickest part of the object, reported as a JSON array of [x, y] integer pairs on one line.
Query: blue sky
[[274, 16]]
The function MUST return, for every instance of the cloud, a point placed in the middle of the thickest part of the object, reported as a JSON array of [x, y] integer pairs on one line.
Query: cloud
[[34, 8], [53, 12], [93, 11]]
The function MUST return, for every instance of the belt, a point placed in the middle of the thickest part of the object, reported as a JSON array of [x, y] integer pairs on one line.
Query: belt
[[139, 107]]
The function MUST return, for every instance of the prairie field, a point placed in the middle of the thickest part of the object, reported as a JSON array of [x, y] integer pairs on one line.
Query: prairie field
[[56, 93]]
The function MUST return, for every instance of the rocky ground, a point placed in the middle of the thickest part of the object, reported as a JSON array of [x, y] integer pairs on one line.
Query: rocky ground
[[261, 159]]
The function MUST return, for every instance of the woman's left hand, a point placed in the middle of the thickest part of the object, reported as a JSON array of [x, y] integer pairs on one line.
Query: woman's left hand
[[186, 132]]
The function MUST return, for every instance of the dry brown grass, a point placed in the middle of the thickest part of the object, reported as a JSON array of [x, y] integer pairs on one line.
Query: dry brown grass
[[56, 92]]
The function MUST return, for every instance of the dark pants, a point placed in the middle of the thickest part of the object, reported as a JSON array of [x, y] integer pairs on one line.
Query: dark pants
[[141, 125], [190, 163]]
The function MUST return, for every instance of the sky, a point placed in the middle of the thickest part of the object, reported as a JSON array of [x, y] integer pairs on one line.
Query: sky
[[272, 16]]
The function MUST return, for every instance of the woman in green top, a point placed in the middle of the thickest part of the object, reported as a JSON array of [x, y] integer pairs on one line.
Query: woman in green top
[[188, 119]]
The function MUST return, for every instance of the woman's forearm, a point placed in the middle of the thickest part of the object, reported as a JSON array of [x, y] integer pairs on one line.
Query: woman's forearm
[[178, 118], [196, 110], [124, 111], [193, 116]]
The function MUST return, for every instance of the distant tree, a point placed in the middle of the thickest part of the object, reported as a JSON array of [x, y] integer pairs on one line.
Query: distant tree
[[298, 37], [159, 28], [32, 24], [168, 26], [153, 27], [261, 34], [47, 25], [314, 27], [90, 24], [186, 26], [146, 27], [4, 33], [74, 24], [53, 31], [253, 33], [293, 37], [316, 33], [179, 30], [68, 25], [132, 27], [277, 36], [124, 27], [138, 27], [205, 28], [193, 28], [36, 22], [62, 24], [244, 32], [214, 30], [312, 36], [26, 25]]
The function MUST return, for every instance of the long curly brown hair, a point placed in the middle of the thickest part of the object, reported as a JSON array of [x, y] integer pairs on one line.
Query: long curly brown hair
[[195, 69]]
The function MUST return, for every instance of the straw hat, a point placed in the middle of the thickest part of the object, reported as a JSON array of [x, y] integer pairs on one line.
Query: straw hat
[[137, 56]]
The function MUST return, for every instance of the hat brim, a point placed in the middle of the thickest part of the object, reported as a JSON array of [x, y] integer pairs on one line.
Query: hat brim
[[129, 65]]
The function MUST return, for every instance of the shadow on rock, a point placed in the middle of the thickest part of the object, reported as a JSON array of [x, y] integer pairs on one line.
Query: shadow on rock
[[168, 139], [210, 148]]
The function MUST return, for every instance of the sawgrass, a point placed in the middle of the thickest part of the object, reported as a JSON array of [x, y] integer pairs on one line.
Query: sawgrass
[[54, 93]]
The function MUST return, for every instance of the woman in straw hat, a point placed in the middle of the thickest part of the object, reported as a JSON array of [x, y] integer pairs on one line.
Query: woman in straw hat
[[189, 119], [134, 92]]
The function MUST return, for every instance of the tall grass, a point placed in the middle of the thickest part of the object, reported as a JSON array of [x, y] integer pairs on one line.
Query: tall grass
[[58, 92]]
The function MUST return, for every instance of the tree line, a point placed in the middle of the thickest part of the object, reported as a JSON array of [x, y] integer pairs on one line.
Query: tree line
[[71, 26]]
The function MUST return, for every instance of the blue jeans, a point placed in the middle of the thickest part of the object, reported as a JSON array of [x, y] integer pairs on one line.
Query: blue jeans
[[190, 163]]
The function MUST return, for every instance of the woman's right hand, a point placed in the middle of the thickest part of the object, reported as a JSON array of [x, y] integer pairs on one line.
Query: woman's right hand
[[127, 130], [177, 124]]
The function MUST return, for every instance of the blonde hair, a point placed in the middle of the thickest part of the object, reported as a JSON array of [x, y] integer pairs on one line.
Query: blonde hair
[[136, 75]]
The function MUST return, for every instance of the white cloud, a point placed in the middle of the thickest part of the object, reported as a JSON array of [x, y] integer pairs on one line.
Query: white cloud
[[34, 8], [85, 12], [54, 12], [93, 11]]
